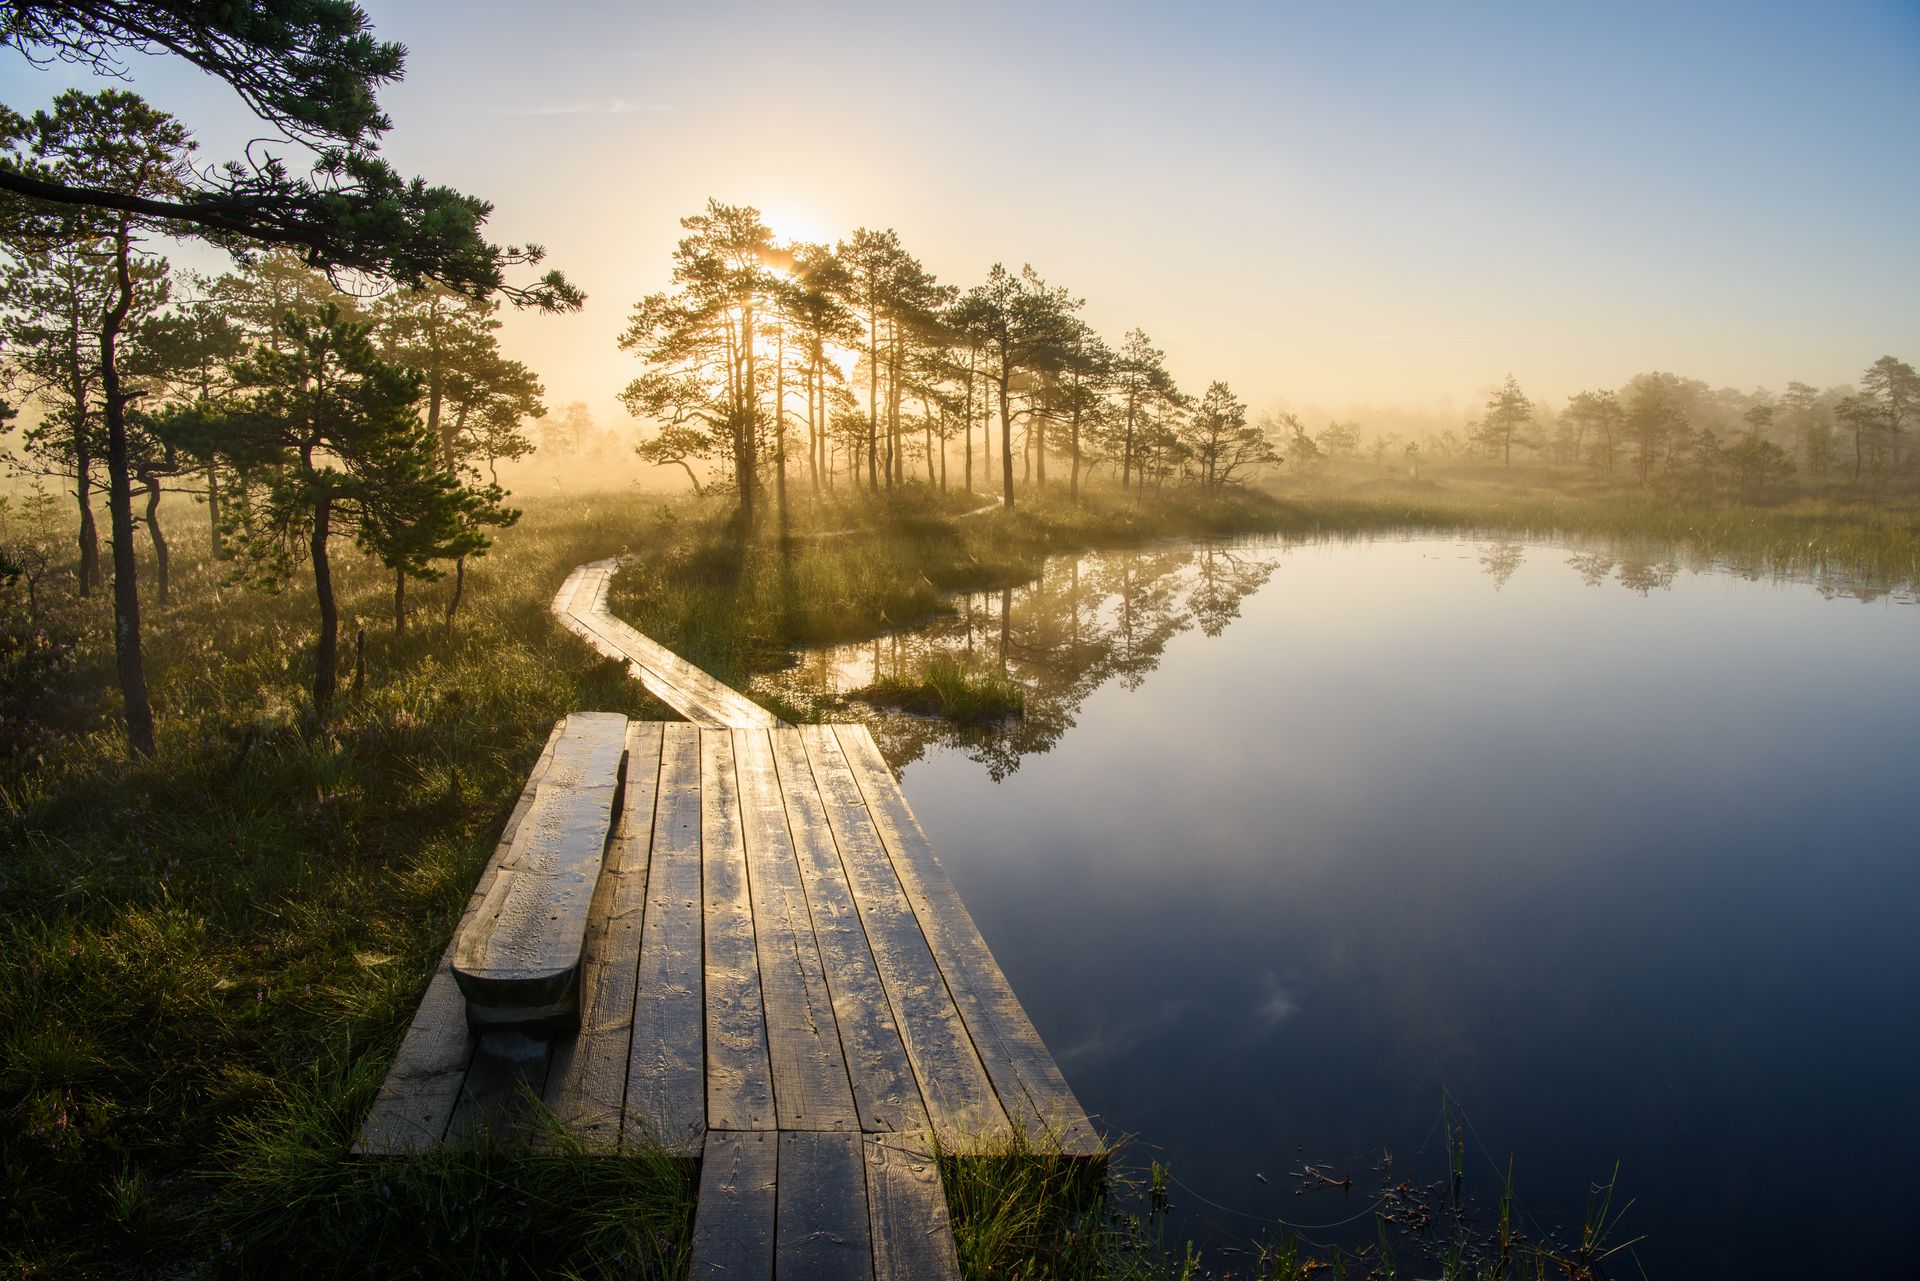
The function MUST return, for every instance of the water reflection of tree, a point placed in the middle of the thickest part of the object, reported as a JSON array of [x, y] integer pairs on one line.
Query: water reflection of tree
[[1642, 575], [1500, 560], [1087, 620]]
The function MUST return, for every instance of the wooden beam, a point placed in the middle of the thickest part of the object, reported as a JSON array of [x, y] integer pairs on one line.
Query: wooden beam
[[739, 1071], [666, 1090]]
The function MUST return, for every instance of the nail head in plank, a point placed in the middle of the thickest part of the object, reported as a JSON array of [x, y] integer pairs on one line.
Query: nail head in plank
[[912, 1234], [734, 1220], [821, 1227]]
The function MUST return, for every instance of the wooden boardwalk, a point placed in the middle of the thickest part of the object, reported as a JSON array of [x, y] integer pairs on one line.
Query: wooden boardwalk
[[581, 606], [778, 979]]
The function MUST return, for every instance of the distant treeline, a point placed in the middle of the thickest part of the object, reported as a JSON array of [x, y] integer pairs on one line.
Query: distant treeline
[[850, 364], [1662, 429]]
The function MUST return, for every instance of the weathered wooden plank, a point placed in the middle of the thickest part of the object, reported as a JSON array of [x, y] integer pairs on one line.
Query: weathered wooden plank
[[517, 959], [811, 1090], [501, 1094], [693, 692], [821, 1227], [961, 1104], [415, 1102], [587, 1085], [581, 605], [666, 1089], [739, 1070], [1028, 1081], [699, 702], [733, 1221], [885, 1092], [912, 1235]]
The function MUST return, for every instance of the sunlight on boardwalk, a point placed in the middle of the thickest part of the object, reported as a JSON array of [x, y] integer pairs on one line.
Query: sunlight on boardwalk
[[779, 978], [581, 606]]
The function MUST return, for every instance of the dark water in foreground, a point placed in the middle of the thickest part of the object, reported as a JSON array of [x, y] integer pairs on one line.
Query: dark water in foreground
[[1620, 854]]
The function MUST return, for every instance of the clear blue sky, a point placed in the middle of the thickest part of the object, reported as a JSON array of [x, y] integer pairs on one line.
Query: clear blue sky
[[1330, 206]]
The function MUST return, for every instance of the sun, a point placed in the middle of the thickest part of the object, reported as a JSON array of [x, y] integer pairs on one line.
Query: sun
[[793, 223]]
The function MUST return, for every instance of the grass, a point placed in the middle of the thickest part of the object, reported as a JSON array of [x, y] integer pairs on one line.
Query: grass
[[951, 690], [210, 955], [736, 602], [1843, 534]]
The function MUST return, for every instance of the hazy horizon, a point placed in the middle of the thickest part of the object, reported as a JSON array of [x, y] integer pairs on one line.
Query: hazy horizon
[[1388, 210]]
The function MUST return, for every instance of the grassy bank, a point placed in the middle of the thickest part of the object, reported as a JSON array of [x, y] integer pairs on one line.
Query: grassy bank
[[211, 955], [1846, 535]]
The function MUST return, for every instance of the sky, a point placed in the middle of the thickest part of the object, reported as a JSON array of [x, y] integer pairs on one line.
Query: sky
[[1368, 209]]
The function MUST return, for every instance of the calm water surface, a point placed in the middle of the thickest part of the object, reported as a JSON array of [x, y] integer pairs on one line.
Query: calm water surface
[[1620, 854]]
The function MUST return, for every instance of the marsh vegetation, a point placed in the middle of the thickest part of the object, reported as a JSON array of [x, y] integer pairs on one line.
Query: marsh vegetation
[[283, 516]]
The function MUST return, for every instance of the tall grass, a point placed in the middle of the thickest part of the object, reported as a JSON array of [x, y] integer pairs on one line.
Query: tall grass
[[238, 929]]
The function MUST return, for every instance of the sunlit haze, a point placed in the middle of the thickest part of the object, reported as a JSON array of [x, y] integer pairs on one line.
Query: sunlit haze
[[1351, 209]]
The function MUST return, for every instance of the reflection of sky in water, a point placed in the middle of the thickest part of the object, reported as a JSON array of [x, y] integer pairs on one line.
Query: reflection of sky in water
[[1622, 858]]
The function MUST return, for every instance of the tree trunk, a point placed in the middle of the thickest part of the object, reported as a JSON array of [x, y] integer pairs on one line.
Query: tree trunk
[[162, 558], [1006, 447], [1073, 477], [873, 401], [128, 661], [459, 586], [966, 429], [399, 601], [749, 461], [780, 427], [325, 657], [213, 504], [89, 536]]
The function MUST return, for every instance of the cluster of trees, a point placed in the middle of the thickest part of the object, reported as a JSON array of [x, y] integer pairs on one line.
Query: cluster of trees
[[1662, 427], [302, 419], [852, 364]]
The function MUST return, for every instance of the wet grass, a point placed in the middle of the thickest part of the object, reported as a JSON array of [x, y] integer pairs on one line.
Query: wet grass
[[737, 601], [210, 955], [949, 689], [1838, 533]]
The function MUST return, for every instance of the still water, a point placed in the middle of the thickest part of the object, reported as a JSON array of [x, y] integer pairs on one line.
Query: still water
[[1618, 853]]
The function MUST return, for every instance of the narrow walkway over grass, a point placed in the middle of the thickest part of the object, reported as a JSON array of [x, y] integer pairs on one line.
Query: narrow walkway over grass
[[581, 606], [779, 979]]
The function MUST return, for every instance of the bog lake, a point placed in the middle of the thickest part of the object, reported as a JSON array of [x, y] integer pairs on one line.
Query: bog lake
[[1615, 850]]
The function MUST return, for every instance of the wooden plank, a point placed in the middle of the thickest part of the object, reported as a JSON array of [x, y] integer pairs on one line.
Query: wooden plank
[[518, 958], [739, 1070], [733, 1222], [586, 1088], [811, 1090], [821, 1228], [693, 692], [912, 1235], [884, 1090], [1028, 1081], [697, 702], [501, 1095], [961, 1104], [581, 605], [666, 1091], [418, 1096]]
